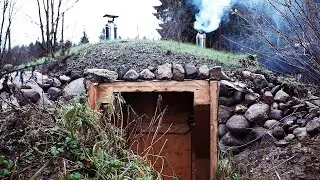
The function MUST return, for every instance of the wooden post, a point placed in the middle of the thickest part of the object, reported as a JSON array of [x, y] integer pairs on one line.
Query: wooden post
[[214, 96], [93, 96]]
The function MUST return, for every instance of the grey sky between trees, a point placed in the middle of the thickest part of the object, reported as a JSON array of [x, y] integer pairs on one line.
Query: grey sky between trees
[[136, 19]]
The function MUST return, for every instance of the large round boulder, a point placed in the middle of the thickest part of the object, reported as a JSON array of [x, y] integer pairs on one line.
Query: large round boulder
[[164, 72], [313, 126], [191, 71], [178, 72], [258, 113], [100, 75], [75, 88], [131, 75], [238, 125], [281, 96], [147, 74]]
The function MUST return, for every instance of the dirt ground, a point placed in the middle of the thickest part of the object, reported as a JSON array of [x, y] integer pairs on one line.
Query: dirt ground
[[24, 138], [298, 161]]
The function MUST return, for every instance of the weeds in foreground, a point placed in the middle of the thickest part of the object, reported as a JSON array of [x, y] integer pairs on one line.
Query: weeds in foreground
[[6, 166], [227, 169], [101, 144]]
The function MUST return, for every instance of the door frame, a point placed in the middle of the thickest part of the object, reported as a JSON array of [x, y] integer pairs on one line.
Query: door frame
[[205, 93]]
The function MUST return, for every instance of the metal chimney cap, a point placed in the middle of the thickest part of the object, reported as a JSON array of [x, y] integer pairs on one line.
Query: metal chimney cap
[[110, 16]]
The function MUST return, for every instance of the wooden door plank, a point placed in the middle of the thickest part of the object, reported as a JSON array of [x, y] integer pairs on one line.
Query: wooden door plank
[[214, 96]]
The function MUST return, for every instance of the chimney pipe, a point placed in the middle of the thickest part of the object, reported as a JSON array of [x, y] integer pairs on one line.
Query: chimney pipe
[[111, 28], [201, 39]]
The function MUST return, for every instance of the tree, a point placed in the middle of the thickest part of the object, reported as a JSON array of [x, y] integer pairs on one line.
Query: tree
[[177, 20], [84, 38], [7, 13], [50, 13], [102, 36]]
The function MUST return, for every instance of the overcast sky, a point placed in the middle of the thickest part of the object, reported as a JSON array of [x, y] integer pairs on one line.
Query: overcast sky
[[135, 18]]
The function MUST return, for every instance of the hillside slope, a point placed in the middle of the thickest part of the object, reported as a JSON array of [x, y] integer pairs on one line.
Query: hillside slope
[[141, 54]]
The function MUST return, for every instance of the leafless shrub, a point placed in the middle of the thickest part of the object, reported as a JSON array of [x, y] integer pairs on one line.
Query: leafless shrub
[[6, 17], [286, 31]]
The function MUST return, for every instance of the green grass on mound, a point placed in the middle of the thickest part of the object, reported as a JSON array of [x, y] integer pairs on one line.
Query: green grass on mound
[[226, 58], [208, 55]]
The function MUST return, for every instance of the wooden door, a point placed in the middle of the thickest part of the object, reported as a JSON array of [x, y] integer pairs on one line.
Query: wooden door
[[170, 154], [170, 150]]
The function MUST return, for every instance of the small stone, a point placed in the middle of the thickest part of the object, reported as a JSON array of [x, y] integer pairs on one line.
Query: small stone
[[43, 101], [281, 96], [292, 118], [270, 85], [275, 105], [246, 74], [215, 73], [311, 116], [270, 124], [54, 93], [64, 79], [289, 104], [224, 113], [275, 89], [122, 70], [292, 128], [315, 100], [7, 67], [259, 80], [283, 106], [289, 123], [76, 74], [258, 113], [204, 72], [268, 97], [178, 72], [278, 132], [276, 114], [131, 75], [313, 127], [240, 109], [296, 100], [43, 80], [238, 96], [191, 71], [164, 72], [300, 133], [226, 101], [289, 137], [151, 68], [222, 130], [224, 90], [31, 94], [238, 125], [260, 131], [281, 143], [251, 98], [147, 75], [56, 82], [231, 140], [302, 122]]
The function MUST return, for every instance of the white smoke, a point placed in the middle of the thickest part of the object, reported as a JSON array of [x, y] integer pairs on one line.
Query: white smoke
[[210, 13]]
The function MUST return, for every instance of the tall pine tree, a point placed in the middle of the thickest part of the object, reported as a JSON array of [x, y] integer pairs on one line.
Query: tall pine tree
[[84, 38]]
